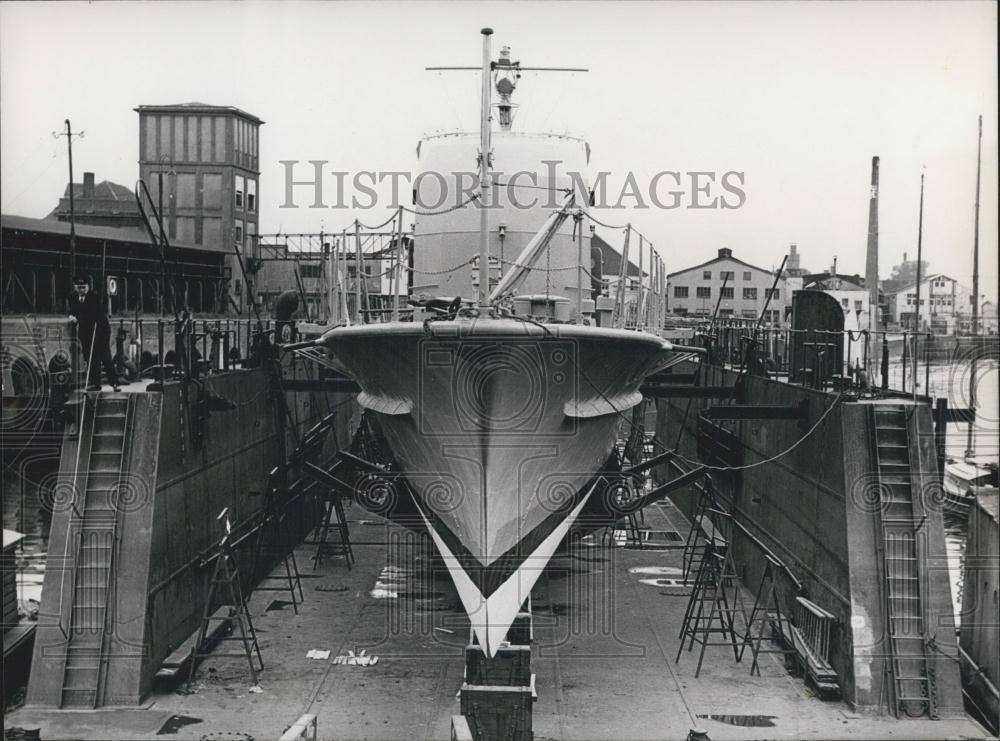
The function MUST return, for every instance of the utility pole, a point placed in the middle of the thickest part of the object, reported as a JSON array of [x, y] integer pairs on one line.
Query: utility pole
[[72, 210], [970, 447], [975, 238], [163, 233]]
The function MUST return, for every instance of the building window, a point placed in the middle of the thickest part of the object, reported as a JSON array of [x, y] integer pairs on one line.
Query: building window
[[220, 139], [185, 229], [211, 231], [680, 311], [149, 135], [313, 270], [706, 275], [680, 291], [750, 294], [240, 184], [773, 294], [725, 312], [749, 314], [704, 292], [845, 303], [251, 195], [727, 292], [857, 306], [192, 138], [206, 139], [239, 234], [177, 153], [726, 274], [185, 190], [211, 191], [746, 275]]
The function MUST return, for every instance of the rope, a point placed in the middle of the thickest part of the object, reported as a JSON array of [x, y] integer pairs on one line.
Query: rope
[[377, 226], [773, 458], [601, 223], [567, 191], [463, 204], [442, 272], [547, 270], [612, 226]]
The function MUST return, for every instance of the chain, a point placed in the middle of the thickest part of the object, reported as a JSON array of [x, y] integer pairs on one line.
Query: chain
[[548, 270]]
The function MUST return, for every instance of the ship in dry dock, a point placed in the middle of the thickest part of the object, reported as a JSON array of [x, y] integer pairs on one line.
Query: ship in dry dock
[[502, 400]]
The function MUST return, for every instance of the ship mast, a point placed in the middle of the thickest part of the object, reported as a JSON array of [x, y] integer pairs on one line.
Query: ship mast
[[484, 174], [509, 72]]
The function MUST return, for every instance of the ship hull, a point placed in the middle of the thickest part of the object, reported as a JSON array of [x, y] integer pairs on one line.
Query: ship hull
[[498, 427]]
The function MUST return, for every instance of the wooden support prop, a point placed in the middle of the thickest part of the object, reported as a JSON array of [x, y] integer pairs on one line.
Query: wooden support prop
[[304, 729], [498, 712], [511, 666], [460, 729], [521, 632], [177, 662], [333, 385], [498, 692]]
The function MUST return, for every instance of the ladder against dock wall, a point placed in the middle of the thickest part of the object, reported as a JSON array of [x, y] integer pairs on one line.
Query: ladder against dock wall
[[94, 532], [910, 676]]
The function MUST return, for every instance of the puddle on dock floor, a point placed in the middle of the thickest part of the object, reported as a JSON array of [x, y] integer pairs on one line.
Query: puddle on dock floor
[[174, 723], [656, 571]]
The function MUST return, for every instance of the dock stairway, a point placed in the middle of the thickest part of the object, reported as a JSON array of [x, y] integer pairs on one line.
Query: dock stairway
[[908, 666], [99, 485]]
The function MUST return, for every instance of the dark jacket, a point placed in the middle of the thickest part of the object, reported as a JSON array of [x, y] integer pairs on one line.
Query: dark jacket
[[90, 314]]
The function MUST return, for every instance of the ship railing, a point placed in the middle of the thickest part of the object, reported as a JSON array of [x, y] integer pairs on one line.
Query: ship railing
[[892, 361], [385, 313], [166, 348]]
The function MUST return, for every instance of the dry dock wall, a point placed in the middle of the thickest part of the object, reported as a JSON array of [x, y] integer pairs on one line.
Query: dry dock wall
[[980, 637], [167, 523], [816, 508]]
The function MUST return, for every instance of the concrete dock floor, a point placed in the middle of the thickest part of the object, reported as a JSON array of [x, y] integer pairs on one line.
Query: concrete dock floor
[[605, 643]]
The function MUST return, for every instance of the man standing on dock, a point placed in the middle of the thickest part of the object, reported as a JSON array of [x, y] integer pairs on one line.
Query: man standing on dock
[[93, 332]]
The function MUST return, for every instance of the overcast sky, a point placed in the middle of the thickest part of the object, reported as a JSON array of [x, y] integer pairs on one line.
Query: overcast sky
[[797, 96]]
